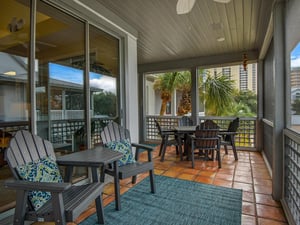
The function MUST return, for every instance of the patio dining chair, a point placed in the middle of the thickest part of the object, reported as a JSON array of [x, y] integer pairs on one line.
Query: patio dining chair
[[169, 137], [228, 137], [41, 194], [206, 140]]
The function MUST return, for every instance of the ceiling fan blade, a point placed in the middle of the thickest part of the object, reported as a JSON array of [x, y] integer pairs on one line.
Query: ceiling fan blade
[[46, 44], [184, 6]]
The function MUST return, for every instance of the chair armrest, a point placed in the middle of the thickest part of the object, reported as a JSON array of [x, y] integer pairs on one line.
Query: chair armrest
[[227, 133], [170, 129], [168, 132], [142, 147], [191, 136], [40, 186]]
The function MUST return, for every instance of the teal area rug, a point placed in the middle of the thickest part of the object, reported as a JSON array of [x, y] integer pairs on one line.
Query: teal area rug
[[176, 202]]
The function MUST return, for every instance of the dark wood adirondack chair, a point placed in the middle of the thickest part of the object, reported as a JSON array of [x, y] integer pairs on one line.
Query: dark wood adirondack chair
[[206, 140], [168, 138], [228, 137], [67, 201], [113, 132]]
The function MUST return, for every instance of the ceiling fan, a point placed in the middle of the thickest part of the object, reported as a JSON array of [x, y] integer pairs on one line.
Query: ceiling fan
[[185, 6], [17, 35]]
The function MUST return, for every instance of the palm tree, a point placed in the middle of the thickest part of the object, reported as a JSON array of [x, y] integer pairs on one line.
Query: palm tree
[[217, 94], [183, 85], [166, 83], [249, 99]]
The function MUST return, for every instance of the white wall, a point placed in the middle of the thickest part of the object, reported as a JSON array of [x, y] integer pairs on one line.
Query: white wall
[[150, 98]]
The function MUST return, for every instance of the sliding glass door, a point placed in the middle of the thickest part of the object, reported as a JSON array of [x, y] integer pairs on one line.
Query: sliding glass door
[[75, 87], [14, 111], [60, 63], [104, 80]]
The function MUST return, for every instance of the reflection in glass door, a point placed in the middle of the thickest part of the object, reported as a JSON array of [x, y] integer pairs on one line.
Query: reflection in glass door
[[14, 37], [295, 88], [104, 77], [60, 98]]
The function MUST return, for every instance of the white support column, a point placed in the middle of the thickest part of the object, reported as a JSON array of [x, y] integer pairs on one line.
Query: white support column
[[131, 88], [173, 104]]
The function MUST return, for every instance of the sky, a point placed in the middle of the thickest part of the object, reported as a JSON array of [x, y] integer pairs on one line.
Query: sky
[[295, 56], [69, 74]]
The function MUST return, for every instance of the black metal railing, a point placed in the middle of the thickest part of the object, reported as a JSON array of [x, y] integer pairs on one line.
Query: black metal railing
[[73, 131]]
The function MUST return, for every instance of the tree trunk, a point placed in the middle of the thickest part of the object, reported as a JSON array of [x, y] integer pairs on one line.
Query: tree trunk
[[165, 98], [163, 107], [185, 104]]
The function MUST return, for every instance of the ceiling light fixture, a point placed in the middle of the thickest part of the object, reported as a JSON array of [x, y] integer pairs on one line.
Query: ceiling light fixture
[[184, 6], [223, 1], [16, 24], [10, 73]]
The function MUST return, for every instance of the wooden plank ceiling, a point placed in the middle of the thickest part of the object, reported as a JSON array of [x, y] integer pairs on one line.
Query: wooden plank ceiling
[[165, 36]]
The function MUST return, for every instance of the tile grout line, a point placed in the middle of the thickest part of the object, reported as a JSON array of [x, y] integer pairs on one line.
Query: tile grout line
[[254, 197]]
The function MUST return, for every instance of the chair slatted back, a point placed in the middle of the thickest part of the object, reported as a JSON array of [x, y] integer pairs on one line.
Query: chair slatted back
[[233, 126], [158, 127], [24, 148], [186, 121], [207, 135], [165, 132], [114, 132]]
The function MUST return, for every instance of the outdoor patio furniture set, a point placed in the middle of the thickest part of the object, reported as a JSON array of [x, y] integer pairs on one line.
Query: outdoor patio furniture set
[[43, 195], [205, 139]]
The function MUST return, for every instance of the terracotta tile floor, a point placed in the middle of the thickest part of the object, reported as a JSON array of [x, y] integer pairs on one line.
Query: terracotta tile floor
[[248, 173]]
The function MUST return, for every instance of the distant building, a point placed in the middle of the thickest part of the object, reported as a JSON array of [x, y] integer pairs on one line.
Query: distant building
[[295, 77], [295, 83], [245, 79]]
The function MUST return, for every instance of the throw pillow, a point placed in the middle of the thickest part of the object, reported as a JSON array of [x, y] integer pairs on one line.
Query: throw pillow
[[42, 170], [123, 146]]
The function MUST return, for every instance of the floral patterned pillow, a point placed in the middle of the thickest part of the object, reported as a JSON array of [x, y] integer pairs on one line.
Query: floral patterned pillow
[[43, 170], [123, 146]]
